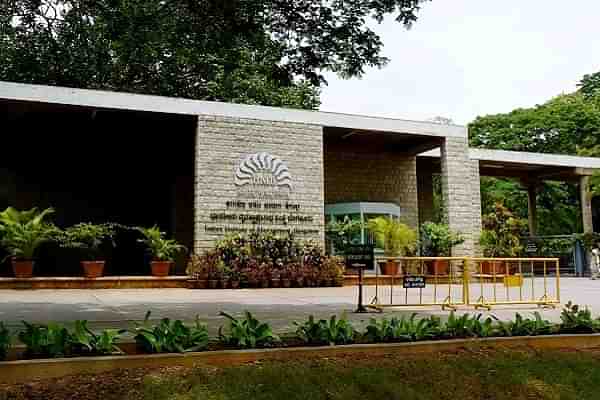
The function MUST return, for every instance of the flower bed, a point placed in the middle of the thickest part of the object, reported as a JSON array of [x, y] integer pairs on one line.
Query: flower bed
[[263, 260], [173, 336]]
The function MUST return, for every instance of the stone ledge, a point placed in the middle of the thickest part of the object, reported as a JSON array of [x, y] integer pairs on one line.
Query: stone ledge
[[104, 282]]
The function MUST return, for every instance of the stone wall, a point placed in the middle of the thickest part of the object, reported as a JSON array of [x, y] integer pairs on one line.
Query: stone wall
[[222, 143], [353, 175]]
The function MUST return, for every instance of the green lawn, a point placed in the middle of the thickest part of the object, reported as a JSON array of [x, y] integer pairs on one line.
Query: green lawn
[[472, 375]]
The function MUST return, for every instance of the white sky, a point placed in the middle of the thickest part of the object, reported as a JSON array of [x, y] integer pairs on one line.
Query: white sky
[[465, 58]]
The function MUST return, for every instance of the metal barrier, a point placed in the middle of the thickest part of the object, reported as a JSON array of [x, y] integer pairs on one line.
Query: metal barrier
[[497, 281], [449, 282], [426, 281]]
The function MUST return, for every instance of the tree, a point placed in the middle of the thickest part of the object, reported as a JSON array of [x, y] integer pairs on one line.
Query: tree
[[566, 124], [589, 86], [270, 52], [562, 125]]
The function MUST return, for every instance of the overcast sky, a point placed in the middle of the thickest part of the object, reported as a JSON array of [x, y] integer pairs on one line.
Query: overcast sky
[[465, 58]]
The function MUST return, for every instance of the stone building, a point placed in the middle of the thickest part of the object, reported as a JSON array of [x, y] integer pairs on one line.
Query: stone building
[[204, 169]]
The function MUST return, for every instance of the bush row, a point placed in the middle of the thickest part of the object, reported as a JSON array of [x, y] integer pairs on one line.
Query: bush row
[[266, 260], [174, 336]]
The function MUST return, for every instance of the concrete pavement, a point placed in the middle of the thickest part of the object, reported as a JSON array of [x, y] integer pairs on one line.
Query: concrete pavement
[[280, 307]]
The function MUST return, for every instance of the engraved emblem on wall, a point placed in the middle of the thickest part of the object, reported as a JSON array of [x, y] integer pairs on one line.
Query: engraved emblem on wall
[[263, 176]]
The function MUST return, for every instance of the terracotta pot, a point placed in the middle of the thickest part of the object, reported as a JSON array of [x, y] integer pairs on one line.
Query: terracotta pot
[[327, 283], [213, 283], [235, 284], [264, 283], [438, 267], [224, 283], [201, 284], [286, 283], [22, 268], [93, 269], [390, 268], [276, 282], [161, 268], [252, 283], [299, 282], [488, 267]]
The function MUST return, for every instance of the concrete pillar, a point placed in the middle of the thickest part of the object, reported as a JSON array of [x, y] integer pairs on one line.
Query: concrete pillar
[[475, 185], [425, 195], [586, 204], [457, 171], [532, 207]]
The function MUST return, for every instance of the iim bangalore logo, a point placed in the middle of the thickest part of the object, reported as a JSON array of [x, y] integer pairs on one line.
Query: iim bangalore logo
[[263, 171]]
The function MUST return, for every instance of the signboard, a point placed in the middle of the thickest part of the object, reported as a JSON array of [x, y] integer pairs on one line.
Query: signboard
[[531, 247], [413, 282], [361, 256]]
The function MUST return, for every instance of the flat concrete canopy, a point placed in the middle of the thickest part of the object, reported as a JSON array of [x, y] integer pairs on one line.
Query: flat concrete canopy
[[523, 165], [10, 91]]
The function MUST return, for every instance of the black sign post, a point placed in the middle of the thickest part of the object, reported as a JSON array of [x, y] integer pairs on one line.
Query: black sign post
[[361, 257]]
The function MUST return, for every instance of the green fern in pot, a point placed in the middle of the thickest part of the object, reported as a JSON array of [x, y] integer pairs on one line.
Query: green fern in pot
[[163, 250], [22, 233]]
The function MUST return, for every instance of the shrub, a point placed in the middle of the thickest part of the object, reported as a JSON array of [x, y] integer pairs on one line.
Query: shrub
[[83, 340], [43, 341], [526, 326], [438, 240], [22, 232], [577, 320], [323, 332], [501, 233], [468, 326], [171, 336], [87, 238], [5, 341], [396, 238], [403, 329], [161, 248], [247, 333]]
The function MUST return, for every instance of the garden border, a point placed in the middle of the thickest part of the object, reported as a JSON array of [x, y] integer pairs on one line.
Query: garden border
[[12, 372]]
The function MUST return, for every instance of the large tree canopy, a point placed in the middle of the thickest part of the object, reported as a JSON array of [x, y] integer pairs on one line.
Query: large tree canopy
[[566, 124], [271, 52]]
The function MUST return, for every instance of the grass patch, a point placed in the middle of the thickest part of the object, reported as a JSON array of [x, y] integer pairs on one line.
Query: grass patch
[[481, 375], [467, 375]]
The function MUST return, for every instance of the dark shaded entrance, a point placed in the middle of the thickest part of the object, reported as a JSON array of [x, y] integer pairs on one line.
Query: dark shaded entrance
[[98, 165]]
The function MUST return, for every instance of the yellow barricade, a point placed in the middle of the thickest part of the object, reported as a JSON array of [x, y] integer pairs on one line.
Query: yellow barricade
[[419, 281], [450, 282], [496, 281]]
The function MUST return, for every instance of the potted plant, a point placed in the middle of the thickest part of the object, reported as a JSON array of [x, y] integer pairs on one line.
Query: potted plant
[[437, 240], [276, 277], [88, 239], [295, 274], [234, 278], [264, 273], [500, 237], [21, 234], [287, 275], [198, 268], [395, 238], [163, 250]]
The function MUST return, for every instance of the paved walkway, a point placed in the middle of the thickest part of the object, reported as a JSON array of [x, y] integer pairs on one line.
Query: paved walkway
[[280, 307]]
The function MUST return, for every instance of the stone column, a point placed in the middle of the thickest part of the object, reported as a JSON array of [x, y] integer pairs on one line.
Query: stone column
[[457, 171], [532, 207], [425, 195], [586, 204], [475, 184]]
